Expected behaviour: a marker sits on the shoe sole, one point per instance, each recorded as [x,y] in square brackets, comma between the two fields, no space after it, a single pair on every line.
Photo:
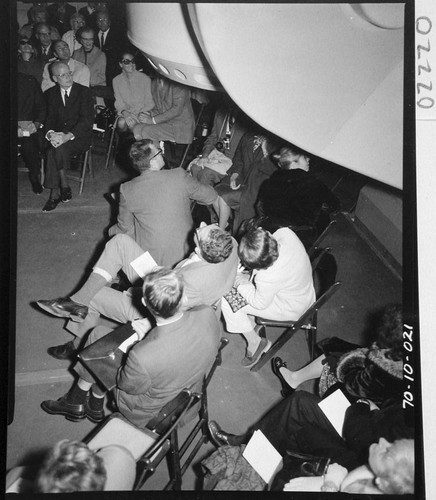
[264,350]
[213,439]
[59,313]
[66,201]
[64,414]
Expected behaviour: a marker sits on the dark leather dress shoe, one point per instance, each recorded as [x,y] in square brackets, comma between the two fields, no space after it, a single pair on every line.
[66,194]
[37,188]
[71,411]
[64,307]
[51,204]
[95,416]
[64,351]
[220,437]
[276,364]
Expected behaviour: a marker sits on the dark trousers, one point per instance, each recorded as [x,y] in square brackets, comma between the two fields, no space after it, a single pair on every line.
[60,158]
[298,424]
[30,154]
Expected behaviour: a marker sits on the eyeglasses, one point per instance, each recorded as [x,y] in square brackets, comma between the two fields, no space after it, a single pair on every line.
[157,154]
[25,42]
[64,75]
[126,62]
[41,33]
[87,39]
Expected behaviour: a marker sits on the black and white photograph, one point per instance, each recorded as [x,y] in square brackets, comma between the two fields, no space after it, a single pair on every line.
[219,261]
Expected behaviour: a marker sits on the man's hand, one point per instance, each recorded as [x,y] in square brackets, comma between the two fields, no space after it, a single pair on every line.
[145,117]
[241,278]
[32,128]
[233,179]
[334,477]
[59,138]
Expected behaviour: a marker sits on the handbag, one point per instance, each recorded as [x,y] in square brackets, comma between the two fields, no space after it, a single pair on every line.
[103,358]
[235,299]
[216,161]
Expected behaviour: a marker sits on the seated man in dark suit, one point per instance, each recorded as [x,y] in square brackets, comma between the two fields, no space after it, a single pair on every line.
[175,354]
[44,43]
[31,115]
[70,115]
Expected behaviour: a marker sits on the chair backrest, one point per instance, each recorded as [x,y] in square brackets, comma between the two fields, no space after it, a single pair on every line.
[172,411]
[317,242]
[316,306]
[324,269]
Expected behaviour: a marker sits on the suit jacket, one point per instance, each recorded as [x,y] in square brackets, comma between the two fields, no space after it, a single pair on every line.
[173,105]
[171,357]
[30,99]
[44,57]
[155,210]
[206,283]
[76,117]
[113,44]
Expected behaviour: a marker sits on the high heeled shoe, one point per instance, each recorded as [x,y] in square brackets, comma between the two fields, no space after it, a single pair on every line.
[276,364]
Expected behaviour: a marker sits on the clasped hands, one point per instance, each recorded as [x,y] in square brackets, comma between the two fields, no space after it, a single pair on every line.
[145,117]
[58,138]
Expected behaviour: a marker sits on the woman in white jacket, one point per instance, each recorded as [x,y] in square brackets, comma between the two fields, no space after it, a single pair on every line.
[278,286]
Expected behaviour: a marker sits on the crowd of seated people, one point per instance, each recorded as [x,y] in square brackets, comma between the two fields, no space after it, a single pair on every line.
[187,283]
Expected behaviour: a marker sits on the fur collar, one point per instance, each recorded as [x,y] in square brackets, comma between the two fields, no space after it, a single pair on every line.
[378,357]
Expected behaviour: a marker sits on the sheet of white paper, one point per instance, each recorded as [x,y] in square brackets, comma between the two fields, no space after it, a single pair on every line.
[128,342]
[262,456]
[334,407]
[143,264]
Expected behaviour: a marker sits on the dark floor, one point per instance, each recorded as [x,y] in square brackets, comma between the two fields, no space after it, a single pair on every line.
[56,250]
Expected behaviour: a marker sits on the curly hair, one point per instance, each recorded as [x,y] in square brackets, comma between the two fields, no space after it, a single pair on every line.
[389,331]
[163,291]
[216,246]
[71,466]
[399,476]
[258,249]
[141,152]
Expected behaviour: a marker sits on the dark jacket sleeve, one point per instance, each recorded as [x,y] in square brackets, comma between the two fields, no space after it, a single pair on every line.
[363,427]
[83,125]
[238,160]
[39,105]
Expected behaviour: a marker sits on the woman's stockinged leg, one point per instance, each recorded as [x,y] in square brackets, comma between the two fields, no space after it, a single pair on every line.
[253,341]
[311,371]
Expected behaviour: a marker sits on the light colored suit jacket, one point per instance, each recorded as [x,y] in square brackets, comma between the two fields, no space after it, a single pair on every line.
[155,210]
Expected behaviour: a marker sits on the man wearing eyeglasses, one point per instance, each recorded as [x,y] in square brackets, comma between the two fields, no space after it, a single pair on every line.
[68,130]
[80,72]
[44,48]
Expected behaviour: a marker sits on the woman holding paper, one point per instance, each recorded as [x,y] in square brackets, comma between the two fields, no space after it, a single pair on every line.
[279,285]
[375,373]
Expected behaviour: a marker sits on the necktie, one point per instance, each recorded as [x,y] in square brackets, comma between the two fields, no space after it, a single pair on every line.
[102,41]
[66,97]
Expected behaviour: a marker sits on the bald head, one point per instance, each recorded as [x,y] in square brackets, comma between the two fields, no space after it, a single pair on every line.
[62,74]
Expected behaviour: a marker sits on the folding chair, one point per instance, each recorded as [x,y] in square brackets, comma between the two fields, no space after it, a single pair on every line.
[317,242]
[160,437]
[324,269]
[149,445]
[86,160]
